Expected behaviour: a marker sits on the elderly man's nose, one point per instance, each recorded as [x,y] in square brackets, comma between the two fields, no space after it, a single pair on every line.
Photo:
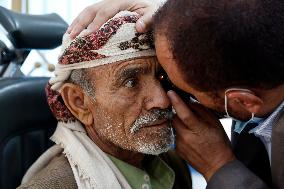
[157,98]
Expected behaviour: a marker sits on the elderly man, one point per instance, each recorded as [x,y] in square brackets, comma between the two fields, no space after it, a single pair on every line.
[112,110]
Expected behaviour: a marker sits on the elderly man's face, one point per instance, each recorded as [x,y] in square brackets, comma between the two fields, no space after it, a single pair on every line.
[130,107]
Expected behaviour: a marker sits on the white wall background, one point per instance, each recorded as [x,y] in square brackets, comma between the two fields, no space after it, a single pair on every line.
[67,9]
[5,3]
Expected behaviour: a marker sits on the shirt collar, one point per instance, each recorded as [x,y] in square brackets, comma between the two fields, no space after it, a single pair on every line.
[240,125]
[160,175]
[265,128]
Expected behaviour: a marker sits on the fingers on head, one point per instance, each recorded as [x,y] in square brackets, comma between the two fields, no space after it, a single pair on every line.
[82,20]
[144,23]
[76,30]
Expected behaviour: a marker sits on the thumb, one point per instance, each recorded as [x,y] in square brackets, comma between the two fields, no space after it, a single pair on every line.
[144,23]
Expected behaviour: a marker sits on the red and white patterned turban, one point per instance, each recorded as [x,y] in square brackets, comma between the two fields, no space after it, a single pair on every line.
[117,40]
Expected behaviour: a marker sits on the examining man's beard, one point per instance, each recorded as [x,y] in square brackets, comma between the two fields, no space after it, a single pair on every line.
[121,115]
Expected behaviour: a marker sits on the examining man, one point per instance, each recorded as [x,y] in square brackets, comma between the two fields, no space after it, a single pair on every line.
[229,55]
[114,117]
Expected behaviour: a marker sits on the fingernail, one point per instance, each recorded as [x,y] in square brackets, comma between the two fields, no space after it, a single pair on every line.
[68,30]
[84,32]
[140,26]
[87,32]
[172,96]
[72,35]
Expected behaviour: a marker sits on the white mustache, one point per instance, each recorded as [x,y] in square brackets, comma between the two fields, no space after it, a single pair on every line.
[150,119]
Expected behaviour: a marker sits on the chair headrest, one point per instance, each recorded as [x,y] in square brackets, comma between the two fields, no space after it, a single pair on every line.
[23,103]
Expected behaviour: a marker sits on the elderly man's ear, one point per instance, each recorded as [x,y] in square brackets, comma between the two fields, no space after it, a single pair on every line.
[77,102]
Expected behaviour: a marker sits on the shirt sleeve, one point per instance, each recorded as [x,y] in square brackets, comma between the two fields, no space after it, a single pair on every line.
[234,175]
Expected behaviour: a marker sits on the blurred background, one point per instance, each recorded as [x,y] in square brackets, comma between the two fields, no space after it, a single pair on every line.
[41,62]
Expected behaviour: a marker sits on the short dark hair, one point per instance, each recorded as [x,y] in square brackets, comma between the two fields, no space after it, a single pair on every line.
[219,44]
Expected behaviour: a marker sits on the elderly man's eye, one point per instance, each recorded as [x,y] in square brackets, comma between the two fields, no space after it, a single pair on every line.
[130,83]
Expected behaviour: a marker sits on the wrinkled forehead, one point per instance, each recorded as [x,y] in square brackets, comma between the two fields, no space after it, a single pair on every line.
[122,68]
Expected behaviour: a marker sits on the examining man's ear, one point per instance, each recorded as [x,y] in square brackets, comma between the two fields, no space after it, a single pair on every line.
[243,99]
[77,102]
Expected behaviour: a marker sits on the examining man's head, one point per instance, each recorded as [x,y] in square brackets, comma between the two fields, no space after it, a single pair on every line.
[118,99]
[217,45]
